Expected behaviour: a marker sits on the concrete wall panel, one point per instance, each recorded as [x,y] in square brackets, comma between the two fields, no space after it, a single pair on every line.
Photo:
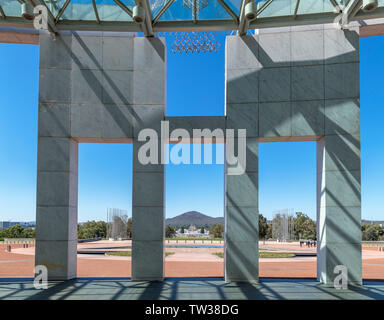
[89,84]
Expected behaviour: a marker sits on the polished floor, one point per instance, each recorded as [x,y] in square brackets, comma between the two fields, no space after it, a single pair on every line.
[185,289]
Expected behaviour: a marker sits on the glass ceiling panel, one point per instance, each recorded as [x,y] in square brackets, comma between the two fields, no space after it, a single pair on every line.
[315,6]
[11,8]
[214,10]
[156,6]
[234,5]
[54,6]
[110,11]
[328,6]
[278,8]
[177,12]
[79,10]
[107,10]
[205,9]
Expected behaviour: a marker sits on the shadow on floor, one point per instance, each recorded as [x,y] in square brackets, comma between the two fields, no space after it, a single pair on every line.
[184,289]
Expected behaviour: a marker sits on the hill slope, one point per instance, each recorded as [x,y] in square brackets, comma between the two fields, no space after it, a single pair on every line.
[193,218]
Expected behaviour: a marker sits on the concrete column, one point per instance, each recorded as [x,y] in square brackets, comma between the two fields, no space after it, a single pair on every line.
[241,191]
[148,216]
[242,220]
[57,164]
[56,232]
[338,156]
[148,196]
[339,208]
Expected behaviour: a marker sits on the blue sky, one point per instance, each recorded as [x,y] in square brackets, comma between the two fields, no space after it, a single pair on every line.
[195,87]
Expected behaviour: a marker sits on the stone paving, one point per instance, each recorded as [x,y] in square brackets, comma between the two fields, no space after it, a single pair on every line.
[186,289]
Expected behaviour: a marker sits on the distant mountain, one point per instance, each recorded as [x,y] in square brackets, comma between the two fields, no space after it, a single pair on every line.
[194,218]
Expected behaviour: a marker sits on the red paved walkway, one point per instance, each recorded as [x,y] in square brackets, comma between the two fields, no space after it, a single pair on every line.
[21,265]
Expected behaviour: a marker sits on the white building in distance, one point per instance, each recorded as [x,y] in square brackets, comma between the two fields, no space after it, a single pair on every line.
[192,232]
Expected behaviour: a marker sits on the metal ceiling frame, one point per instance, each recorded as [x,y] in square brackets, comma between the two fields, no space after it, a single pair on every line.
[162,10]
[152,25]
[62,9]
[351,9]
[95,10]
[296,9]
[229,11]
[2,14]
[244,23]
[147,25]
[123,7]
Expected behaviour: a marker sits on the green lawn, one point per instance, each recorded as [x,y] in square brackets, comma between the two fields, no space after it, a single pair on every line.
[264,254]
[269,254]
[128,253]
[119,253]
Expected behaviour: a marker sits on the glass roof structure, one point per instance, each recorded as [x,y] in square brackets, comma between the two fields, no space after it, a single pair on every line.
[184,15]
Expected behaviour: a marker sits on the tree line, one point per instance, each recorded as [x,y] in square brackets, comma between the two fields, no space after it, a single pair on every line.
[17,231]
[98,229]
[304,228]
[372,232]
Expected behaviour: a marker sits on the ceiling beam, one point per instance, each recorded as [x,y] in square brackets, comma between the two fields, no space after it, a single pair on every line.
[200,25]
[21,36]
[176,26]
